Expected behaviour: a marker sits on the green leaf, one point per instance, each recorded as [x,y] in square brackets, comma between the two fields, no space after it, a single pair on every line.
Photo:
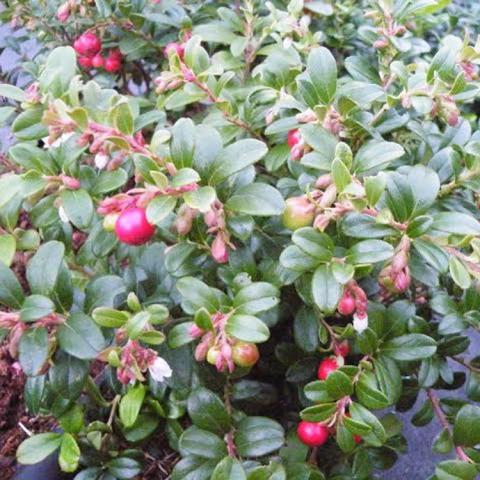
[201,199]
[8,245]
[36,448]
[455,470]
[305,330]
[443,443]
[339,384]
[108,181]
[322,69]
[44,268]
[136,324]
[400,197]
[374,188]
[236,157]
[247,328]
[130,405]
[258,199]
[124,468]
[457,223]
[60,68]
[316,244]
[35,307]
[368,392]
[258,436]
[81,337]
[364,226]
[255,298]
[109,318]
[369,251]
[195,441]
[341,175]
[198,294]
[326,290]
[33,350]
[459,273]
[68,375]
[294,258]
[413,346]
[78,206]
[182,145]
[318,413]
[194,468]
[159,209]
[122,118]
[10,91]
[11,293]
[375,156]
[466,429]
[208,412]
[69,457]
[229,468]
[377,436]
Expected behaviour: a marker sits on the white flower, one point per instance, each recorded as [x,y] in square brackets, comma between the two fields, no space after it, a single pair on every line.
[101,160]
[160,369]
[360,323]
[56,143]
[63,215]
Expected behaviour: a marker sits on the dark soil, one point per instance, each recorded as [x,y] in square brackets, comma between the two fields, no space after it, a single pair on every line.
[12,413]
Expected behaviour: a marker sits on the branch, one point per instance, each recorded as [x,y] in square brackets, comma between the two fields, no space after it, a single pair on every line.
[461,455]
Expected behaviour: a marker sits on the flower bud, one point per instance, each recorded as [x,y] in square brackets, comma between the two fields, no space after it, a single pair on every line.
[70,182]
[220,249]
[63,12]
[109,222]
[360,322]
[299,212]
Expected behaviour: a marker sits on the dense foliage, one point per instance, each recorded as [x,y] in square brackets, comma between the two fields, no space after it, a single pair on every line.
[221,218]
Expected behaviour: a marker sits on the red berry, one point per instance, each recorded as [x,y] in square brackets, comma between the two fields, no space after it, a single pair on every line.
[326,367]
[293,137]
[116,53]
[357,438]
[312,434]
[112,64]
[98,61]
[346,305]
[342,348]
[87,44]
[85,62]
[174,47]
[132,227]
[245,354]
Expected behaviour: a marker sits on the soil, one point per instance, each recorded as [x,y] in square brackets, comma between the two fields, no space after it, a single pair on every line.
[13,413]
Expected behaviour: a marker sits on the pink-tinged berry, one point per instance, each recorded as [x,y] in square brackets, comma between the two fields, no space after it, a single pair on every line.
[346,305]
[312,434]
[245,354]
[341,349]
[326,367]
[133,228]
[98,61]
[112,64]
[85,62]
[293,137]
[299,212]
[87,44]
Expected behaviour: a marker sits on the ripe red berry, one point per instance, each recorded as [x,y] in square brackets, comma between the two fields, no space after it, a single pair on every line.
[112,64]
[326,367]
[357,438]
[293,137]
[245,354]
[346,305]
[342,348]
[174,47]
[132,227]
[85,62]
[116,53]
[98,61]
[87,44]
[312,434]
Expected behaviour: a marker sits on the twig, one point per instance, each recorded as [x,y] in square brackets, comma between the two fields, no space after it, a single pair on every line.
[461,455]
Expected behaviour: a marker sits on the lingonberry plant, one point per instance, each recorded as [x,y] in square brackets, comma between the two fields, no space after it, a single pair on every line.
[271,240]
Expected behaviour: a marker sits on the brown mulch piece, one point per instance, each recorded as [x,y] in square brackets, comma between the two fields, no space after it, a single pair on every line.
[12,412]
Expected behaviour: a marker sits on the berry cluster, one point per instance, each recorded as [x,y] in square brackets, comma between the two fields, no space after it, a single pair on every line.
[88,47]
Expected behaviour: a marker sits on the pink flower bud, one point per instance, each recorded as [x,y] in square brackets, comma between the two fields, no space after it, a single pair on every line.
[210,219]
[402,281]
[220,249]
[70,182]
[188,74]
[379,44]
[63,12]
